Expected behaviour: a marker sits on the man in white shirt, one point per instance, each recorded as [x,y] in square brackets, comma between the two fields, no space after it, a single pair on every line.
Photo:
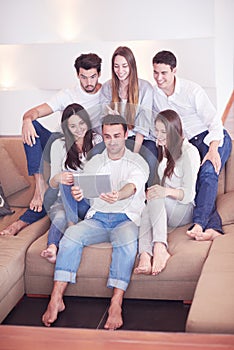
[203,128]
[113,217]
[37,139]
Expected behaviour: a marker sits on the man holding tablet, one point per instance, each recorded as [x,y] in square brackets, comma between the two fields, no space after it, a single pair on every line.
[113,217]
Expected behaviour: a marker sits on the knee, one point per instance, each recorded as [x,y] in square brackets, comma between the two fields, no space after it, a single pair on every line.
[74,234]
[207,170]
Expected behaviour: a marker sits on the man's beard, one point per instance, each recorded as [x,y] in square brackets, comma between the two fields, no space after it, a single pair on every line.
[89,88]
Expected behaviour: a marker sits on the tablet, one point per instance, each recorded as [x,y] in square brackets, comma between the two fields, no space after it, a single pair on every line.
[93,185]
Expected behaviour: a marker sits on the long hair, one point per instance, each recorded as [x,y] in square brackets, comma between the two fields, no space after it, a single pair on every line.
[73,160]
[133,89]
[174,140]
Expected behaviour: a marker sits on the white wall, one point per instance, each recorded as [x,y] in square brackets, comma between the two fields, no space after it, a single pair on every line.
[40,39]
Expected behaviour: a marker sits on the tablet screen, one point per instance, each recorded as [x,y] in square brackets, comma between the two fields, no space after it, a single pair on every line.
[93,185]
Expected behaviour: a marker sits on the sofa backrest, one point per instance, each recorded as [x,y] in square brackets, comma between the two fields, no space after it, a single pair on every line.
[17,185]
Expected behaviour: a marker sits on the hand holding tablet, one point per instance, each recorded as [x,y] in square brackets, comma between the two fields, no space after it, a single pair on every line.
[93,185]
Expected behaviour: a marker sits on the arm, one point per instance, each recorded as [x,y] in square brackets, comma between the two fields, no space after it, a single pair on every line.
[209,116]
[125,192]
[138,142]
[28,132]
[213,156]
[187,168]
[144,119]
[158,191]
[57,175]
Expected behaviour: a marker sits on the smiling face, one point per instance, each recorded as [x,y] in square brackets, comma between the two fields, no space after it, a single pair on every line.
[121,68]
[161,133]
[164,77]
[77,127]
[114,138]
[89,80]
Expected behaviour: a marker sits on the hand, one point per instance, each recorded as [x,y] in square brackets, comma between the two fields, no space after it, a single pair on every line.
[110,197]
[77,193]
[156,191]
[29,134]
[66,178]
[112,111]
[213,156]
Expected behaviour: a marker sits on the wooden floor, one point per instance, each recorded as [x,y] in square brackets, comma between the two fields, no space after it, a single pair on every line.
[37,338]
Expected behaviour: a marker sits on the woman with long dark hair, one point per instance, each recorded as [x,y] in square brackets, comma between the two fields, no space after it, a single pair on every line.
[170,202]
[68,155]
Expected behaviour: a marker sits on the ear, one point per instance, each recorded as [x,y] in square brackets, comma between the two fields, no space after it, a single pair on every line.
[174,70]
[126,135]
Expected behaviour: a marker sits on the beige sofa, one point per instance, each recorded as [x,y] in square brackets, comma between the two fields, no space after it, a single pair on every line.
[202,272]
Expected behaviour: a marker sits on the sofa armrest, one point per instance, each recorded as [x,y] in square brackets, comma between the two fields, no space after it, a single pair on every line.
[212,309]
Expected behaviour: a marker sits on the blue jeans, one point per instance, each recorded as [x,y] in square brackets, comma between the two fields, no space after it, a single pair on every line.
[115,228]
[30,216]
[41,150]
[73,209]
[205,213]
[148,151]
[59,222]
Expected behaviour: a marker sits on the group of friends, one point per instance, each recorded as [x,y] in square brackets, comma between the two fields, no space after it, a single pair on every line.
[164,148]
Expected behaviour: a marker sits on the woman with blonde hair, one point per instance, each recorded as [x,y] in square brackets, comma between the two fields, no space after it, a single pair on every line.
[131,97]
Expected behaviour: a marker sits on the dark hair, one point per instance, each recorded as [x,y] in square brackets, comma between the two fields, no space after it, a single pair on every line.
[165,57]
[174,140]
[88,61]
[133,89]
[73,160]
[115,119]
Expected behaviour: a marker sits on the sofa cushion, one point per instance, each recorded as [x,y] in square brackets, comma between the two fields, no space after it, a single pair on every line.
[178,281]
[4,206]
[212,310]
[225,208]
[10,176]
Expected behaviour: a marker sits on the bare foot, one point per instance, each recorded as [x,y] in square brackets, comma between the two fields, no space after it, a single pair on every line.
[114,320]
[160,258]
[144,266]
[194,230]
[14,228]
[41,187]
[50,253]
[208,235]
[54,307]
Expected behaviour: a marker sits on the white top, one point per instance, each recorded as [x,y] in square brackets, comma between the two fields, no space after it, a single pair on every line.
[90,102]
[185,172]
[131,168]
[143,118]
[195,109]
[58,155]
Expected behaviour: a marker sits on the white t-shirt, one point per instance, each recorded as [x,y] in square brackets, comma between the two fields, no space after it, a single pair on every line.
[90,102]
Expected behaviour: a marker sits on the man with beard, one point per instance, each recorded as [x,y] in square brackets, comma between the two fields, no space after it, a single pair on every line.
[37,139]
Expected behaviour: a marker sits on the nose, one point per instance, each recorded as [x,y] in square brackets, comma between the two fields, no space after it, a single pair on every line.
[89,81]
[159,77]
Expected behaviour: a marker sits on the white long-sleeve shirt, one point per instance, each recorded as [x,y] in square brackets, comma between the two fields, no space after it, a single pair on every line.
[143,118]
[185,172]
[131,168]
[195,109]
